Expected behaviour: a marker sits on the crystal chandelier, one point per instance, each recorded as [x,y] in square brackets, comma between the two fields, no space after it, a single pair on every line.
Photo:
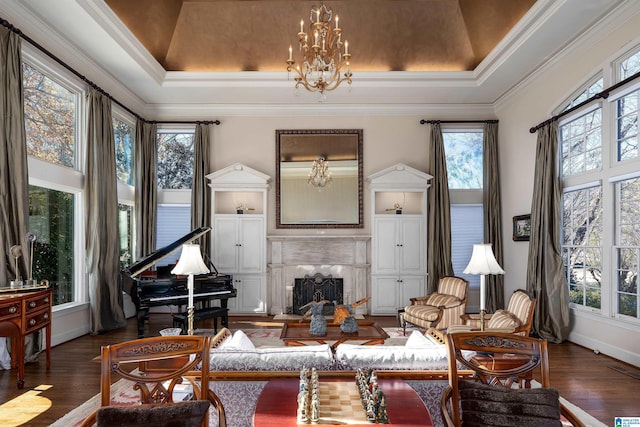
[319,176]
[324,55]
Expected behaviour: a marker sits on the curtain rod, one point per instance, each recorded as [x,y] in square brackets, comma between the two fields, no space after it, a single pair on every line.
[187,122]
[600,95]
[423,121]
[38,46]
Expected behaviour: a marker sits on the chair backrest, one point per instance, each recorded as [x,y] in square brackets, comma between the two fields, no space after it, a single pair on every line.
[522,305]
[159,365]
[504,361]
[453,285]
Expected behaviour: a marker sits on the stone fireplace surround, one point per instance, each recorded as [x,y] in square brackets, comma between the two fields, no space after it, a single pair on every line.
[295,256]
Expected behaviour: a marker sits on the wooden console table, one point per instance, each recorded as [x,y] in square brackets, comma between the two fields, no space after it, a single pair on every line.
[22,313]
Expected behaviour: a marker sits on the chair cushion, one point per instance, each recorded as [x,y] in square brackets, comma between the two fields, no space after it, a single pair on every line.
[445,300]
[502,319]
[424,312]
[181,414]
[485,405]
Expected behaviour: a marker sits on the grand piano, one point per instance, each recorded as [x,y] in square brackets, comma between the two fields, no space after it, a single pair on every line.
[157,288]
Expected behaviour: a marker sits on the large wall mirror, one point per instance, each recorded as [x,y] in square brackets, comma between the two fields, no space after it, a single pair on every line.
[319,178]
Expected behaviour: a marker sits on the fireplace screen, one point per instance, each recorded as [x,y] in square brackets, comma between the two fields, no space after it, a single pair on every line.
[317,288]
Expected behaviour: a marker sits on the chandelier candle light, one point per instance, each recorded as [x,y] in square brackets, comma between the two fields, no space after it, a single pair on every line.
[483,262]
[190,263]
[324,55]
[319,176]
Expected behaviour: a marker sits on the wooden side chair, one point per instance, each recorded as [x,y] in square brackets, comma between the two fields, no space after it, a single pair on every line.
[502,363]
[439,309]
[156,365]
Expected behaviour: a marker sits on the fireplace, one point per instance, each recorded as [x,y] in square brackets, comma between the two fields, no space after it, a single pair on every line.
[317,288]
[297,256]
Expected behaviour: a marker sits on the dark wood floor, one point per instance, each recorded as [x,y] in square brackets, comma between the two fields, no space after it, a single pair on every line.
[582,377]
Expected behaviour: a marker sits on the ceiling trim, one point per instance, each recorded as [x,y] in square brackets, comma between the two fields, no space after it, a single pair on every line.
[420,111]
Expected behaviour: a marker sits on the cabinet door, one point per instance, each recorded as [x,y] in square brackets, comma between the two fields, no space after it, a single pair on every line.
[412,244]
[384,295]
[252,242]
[251,298]
[411,287]
[385,246]
[225,241]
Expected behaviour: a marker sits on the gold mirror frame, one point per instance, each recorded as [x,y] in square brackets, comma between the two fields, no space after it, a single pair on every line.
[305,145]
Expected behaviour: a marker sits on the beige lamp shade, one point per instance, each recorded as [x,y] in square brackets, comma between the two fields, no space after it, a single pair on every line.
[191,261]
[483,261]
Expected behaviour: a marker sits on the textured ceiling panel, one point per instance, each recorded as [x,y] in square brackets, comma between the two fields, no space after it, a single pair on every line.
[383,35]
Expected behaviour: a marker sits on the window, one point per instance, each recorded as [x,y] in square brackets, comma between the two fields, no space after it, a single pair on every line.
[175,160]
[581,143]
[174,221]
[124,137]
[628,248]
[463,151]
[627,112]
[582,245]
[53,105]
[126,235]
[50,118]
[51,219]
[600,168]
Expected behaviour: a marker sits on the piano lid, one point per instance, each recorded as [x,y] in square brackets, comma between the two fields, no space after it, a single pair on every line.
[155,257]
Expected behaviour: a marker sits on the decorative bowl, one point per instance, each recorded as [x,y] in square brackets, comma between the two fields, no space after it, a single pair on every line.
[170,332]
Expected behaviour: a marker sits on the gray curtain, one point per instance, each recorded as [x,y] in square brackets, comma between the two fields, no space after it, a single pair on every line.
[492,208]
[146,184]
[200,194]
[14,175]
[438,213]
[545,278]
[101,206]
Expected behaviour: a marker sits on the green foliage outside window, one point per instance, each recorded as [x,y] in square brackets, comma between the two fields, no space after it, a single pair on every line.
[51,220]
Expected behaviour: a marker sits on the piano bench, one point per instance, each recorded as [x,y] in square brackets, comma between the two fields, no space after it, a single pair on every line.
[180,320]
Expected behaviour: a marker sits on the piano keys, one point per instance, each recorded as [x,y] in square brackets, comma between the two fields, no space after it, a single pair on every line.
[162,288]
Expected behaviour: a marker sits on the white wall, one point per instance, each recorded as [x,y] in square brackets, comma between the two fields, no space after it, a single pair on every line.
[533,102]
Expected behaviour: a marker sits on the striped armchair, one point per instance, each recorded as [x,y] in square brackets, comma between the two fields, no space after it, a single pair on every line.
[517,318]
[439,309]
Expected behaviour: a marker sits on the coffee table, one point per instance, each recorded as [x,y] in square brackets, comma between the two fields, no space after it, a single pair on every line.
[297,334]
[277,404]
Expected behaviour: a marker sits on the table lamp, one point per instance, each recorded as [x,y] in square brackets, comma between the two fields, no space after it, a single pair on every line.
[190,263]
[483,262]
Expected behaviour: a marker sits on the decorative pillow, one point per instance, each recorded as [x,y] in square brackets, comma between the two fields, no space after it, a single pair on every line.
[485,405]
[438,300]
[181,414]
[239,340]
[389,357]
[418,340]
[502,319]
[272,359]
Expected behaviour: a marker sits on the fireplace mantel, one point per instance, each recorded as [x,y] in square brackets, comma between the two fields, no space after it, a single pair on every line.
[294,256]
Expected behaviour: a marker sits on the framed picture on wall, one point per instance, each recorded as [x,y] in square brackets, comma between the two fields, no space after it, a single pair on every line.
[521,228]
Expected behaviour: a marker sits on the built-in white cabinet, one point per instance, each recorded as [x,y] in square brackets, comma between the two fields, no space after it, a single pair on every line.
[399,237]
[239,234]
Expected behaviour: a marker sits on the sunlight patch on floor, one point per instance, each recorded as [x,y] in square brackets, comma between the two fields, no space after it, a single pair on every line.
[25,407]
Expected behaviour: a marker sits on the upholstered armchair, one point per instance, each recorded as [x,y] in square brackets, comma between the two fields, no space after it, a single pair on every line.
[516,318]
[441,308]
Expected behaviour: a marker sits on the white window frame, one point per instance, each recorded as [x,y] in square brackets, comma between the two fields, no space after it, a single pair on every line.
[612,171]
[61,178]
